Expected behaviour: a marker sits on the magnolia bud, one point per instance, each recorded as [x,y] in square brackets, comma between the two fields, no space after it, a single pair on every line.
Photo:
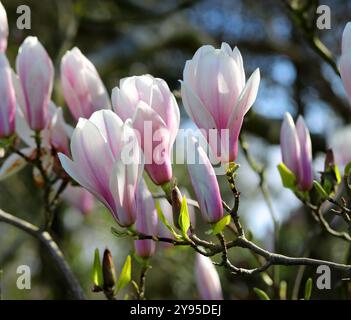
[329,159]
[296,148]
[108,271]
[36,75]
[4,29]
[176,197]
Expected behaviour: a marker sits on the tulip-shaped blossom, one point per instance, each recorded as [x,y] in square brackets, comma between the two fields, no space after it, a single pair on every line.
[205,184]
[4,29]
[146,222]
[216,97]
[207,279]
[7,99]
[36,74]
[154,110]
[82,86]
[345,59]
[296,148]
[79,198]
[106,161]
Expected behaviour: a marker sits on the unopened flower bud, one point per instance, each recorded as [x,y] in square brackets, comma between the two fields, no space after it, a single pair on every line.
[108,271]
[176,197]
[296,148]
[329,159]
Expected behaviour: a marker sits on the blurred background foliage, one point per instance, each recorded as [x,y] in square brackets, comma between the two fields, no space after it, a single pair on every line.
[130,37]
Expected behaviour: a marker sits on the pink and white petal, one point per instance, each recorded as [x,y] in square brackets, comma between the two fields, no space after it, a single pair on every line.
[91,151]
[189,73]
[122,185]
[290,145]
[195,108]
[110,126]
[305,169]
[246,99]
[97,91]
[345,67]
[229,87]
[74,171]
[146,115]
[166,107]
[155,142]
[206,80]
[18,90]
[144,85]
[207,279]
[23,130]
[239,61]
[346,40]
[204,182]
[71,98]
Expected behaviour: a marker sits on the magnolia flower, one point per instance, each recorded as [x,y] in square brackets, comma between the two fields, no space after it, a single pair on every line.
[154,110]
[36,74]
[4,29]
[79,198]
[106,161]
[296,148]
[345,59]
[146,221]
[216,96]
[204,182]
[82,87]
[8,98]
[207,279]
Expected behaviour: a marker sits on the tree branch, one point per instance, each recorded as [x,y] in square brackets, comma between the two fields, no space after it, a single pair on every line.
[56,254]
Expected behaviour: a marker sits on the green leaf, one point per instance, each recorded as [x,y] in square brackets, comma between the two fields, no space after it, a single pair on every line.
[320,189]
[232,168]
[261,294]
[220,225]
[119,233]
[348,169]
[125,275]
[97,270]
[308,289]
[184,220]
[164,220]
[287,176]
[337,174]
[283,287]
[267,279]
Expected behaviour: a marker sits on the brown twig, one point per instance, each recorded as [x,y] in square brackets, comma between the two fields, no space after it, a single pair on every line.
[56,254]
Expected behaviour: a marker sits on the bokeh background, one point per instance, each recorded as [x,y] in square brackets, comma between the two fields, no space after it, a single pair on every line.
[126,37]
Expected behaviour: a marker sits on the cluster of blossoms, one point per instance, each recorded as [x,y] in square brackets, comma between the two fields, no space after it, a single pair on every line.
[109,148]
